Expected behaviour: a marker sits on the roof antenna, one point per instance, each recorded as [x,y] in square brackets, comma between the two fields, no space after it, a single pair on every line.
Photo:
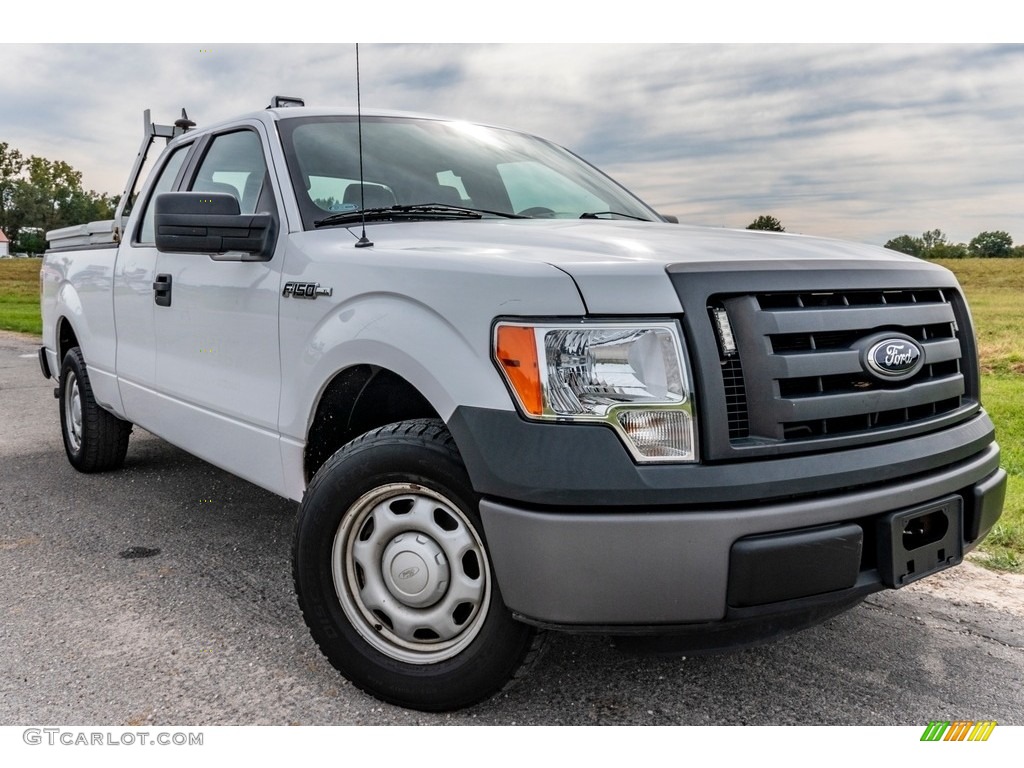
[363,241]
[183,124]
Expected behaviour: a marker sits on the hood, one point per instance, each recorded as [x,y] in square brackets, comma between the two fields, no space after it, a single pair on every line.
[614,262]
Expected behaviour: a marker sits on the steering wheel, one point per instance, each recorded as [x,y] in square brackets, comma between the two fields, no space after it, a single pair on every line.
[537,212]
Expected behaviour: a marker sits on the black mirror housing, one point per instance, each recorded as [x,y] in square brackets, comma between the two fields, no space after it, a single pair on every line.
[210,223]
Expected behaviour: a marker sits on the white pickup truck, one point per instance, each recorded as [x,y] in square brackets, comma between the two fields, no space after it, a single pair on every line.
[511,397]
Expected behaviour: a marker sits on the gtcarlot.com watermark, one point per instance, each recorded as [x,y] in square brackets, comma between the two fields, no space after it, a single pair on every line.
[73,737]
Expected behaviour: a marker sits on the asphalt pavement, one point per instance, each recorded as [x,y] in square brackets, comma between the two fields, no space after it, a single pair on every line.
[162,594]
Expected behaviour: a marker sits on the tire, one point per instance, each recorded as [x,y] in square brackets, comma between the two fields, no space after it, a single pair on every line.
[95,440]
[393,576]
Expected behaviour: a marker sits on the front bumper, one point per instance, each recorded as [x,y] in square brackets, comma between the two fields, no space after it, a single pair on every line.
[646,549]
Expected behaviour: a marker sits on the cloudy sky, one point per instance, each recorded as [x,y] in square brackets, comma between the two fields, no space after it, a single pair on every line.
[862,142]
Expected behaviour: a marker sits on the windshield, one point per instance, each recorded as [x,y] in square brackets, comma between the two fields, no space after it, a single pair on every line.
[414,162]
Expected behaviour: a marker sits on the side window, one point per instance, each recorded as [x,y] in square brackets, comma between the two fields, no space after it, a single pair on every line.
[163,183]
[234,165]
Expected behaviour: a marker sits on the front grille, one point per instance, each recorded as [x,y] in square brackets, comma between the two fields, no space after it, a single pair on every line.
[735,398]
[799,372]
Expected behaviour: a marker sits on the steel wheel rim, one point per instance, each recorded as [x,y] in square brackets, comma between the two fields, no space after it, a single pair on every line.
[73,411]
[411,573]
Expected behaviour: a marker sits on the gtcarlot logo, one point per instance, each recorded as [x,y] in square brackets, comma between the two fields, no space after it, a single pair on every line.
[70,737]
[958,730]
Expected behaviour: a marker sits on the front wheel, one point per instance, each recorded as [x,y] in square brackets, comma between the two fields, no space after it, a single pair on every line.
[393,574]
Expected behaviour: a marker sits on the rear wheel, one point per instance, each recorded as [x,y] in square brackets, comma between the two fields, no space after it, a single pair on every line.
[94,439]
[393,574]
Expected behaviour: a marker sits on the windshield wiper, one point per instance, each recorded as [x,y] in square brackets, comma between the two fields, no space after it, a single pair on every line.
[599,214]
[417,211]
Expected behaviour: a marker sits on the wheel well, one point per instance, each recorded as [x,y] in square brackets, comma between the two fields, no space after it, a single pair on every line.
[66,340]
[357,400]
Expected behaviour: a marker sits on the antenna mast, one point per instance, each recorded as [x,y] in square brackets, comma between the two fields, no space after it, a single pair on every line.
[363,241]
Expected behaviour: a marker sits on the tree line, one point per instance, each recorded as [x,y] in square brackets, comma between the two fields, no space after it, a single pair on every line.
[37,195]
[933,244]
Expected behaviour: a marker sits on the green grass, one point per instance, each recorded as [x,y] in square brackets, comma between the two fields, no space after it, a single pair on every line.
[994,288]
[1003,396]
[19,295]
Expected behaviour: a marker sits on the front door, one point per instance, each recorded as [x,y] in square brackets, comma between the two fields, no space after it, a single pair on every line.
[217,358]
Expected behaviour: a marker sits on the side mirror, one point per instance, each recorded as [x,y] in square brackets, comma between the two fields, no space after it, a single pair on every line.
[670,218]
[210,223]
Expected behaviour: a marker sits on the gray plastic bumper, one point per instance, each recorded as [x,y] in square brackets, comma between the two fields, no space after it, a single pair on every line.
[619,570]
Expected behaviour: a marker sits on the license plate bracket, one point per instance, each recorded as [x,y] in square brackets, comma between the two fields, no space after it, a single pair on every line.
[916,542]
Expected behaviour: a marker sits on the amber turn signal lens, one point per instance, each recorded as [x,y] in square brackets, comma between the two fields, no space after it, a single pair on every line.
[516,350]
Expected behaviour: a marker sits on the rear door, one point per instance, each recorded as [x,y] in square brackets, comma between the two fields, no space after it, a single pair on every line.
[134,308]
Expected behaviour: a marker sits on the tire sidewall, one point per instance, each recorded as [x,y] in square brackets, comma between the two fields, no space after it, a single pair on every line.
[73,363]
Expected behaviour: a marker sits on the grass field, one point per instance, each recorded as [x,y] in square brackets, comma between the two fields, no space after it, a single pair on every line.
[994,287]
[995,290]
[19,295]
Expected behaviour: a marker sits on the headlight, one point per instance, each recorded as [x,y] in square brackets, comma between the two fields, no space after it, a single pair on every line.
[631,377]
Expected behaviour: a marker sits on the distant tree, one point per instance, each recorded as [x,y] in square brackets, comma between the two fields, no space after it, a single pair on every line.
[48,195]
[767,223]
[31,240]
[1017,252]
[948,251]
[11,166]
[912,246]
[992,245]
[932,239]
[935,245]
[83,207]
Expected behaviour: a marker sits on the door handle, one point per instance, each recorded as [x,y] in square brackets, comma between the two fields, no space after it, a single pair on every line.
[162,290]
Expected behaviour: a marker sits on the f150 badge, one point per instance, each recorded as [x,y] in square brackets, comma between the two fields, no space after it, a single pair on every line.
[305,291]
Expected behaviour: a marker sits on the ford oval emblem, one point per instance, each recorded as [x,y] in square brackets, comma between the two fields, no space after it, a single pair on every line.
[895,359]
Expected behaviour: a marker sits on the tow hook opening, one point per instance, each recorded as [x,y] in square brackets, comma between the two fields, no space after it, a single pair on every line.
[927,529]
